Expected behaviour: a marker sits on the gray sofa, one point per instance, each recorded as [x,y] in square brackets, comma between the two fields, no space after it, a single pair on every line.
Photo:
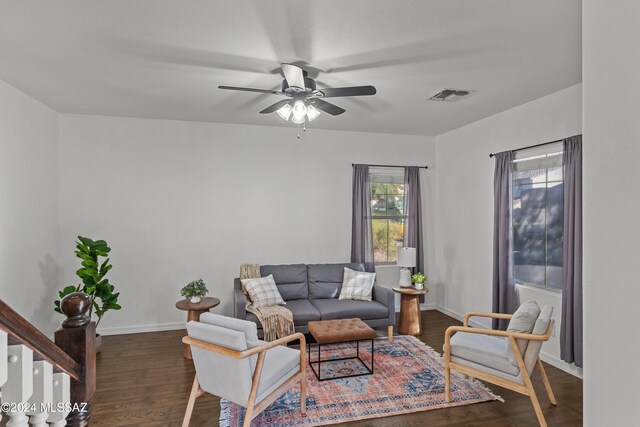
[311,292]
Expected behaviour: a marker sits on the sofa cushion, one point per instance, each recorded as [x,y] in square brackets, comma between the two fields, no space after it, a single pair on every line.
[291,279]
[325,280]
[331,308]
[302,310]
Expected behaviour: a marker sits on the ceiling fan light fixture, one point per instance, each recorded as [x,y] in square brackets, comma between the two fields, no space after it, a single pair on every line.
[299,112]
[285,111]
[297,119]
[304,102]
[312,112]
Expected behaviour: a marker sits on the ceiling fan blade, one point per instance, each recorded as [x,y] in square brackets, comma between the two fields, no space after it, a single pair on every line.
[250,89]
[347,91]
[294,75]
[273,107]
[327,107]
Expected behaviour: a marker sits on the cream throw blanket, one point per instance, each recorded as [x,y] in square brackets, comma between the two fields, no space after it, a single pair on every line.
[276,321]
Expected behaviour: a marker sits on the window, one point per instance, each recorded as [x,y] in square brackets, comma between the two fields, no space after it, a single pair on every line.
[387,212]
[537,214]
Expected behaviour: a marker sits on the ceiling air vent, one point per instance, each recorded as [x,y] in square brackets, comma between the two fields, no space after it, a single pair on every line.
[451,95]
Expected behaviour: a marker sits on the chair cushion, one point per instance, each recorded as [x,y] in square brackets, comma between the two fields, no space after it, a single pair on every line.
[332,308]
[303,312]
[534,347]
[230,378]
[291,279]
[215,371]
[262,291]
[357,285]
[247,328]
[485,350]
[280,363]
[325,280]
[522,320]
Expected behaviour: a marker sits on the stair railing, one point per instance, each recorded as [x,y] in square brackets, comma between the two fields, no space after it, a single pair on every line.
[45,383]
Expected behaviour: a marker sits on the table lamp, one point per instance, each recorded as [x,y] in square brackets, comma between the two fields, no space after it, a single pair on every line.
[406,259]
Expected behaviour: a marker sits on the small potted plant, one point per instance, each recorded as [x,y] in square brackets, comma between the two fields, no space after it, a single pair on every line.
[419,280]
[194,291]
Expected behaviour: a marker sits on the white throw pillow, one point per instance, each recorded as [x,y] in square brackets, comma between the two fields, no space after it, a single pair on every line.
[357,285]
[262,291]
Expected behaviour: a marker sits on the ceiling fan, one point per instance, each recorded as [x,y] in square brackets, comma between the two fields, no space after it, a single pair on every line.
[305,100]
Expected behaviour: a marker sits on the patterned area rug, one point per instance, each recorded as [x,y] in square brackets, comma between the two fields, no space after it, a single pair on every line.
[408,378]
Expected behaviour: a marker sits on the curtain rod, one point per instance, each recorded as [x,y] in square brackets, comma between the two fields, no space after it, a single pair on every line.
[393,166]
[531,146]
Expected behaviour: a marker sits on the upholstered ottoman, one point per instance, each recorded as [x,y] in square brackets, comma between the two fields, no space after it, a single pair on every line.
[326,332]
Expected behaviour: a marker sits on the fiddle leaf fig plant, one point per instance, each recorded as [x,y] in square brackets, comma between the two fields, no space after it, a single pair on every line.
[92,275]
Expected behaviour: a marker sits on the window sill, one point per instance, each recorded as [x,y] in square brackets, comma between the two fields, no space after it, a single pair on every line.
[549,290]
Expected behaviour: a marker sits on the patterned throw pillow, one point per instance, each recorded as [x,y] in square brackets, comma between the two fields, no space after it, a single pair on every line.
[357,285]
[262,291]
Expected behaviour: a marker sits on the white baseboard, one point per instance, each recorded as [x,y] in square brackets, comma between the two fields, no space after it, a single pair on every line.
[561,364]
[551,360]
[120,330]
[460,317]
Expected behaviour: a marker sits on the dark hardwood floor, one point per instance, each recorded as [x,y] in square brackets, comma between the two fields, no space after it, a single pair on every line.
[143,380]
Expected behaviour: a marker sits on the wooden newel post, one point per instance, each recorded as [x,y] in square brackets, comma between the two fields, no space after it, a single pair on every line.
[78,339]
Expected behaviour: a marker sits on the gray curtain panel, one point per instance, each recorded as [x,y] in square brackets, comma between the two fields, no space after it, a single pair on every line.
[504,300]
[361,231]
[413,206]
[571,329]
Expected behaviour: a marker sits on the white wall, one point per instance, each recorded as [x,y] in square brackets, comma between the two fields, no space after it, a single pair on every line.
[611,60]
[464,193]
[29,213]
[178,201]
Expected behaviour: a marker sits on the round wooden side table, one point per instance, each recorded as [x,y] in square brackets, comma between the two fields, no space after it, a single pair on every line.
[194,312]
[410,322]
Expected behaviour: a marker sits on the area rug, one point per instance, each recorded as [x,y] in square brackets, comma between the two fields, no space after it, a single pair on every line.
[409,377]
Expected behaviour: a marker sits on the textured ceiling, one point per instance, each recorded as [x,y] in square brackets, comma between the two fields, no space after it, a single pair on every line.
[165,59]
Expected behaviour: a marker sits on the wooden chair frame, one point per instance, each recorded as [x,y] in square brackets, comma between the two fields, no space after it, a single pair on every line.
[526,388]
[253,408]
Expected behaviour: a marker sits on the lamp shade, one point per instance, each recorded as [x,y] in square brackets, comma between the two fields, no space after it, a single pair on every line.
[406,257]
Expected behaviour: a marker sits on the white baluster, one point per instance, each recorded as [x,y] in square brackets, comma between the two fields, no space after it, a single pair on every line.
[42,396]
[19,385]
[3,364]
[3,359]
[61,395]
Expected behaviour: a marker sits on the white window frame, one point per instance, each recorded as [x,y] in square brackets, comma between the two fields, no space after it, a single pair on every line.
[534,159]
[388,175]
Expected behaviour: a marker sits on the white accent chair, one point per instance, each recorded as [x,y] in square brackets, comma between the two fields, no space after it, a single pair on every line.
[233,364]
[504,358]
